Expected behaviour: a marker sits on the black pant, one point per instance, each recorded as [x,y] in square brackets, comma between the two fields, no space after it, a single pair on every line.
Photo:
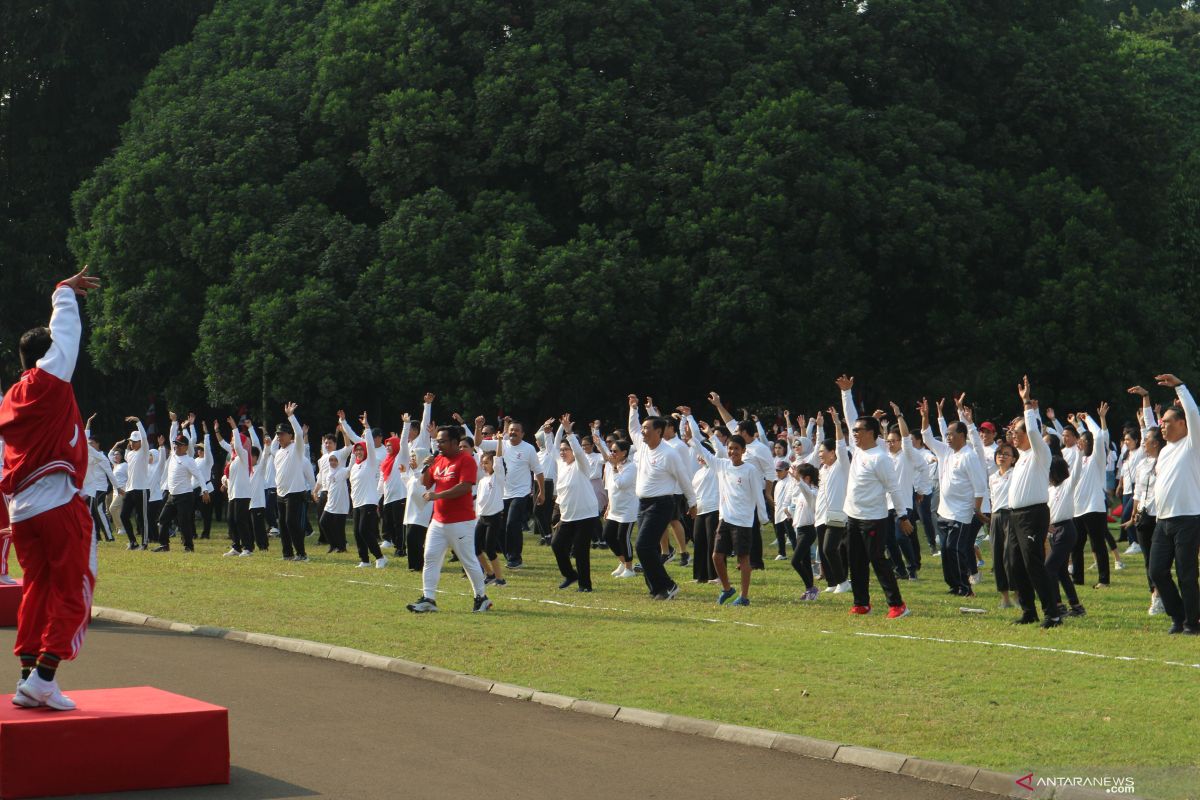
[958,554]
[833,548]
[821,554]
[100,516]
[272,509]
[1090,527]
[999,530]
[1175,542]
[206,512]
[240,524]
[179,508]
[1025,556]
[784,533]
[489,535]
[756,544]
[153,511]
[704,534]
[900,548]
[333,528]
[414,536]
[393,524]
[619,536]
[366,532]
[575,538]
[802,557]
[865,539]
[258,521]
[134,507]
[291,524]
[543,522]
[516,514]
[1063,536]
[322,499]
[654,514]
[1145,539]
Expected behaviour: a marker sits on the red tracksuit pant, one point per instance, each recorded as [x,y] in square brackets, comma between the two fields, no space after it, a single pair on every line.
[58,560]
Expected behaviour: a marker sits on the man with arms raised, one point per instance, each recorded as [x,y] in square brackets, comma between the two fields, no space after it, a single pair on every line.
[45,459]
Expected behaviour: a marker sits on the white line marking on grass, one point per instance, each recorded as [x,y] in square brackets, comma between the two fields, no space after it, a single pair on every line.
[288,575]
[1020,647]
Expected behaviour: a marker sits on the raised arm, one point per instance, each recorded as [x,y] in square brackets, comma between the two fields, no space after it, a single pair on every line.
[726,417]
[423,438]
[635,422]
[348,432]
[846,384]
[939,449]
[66,328]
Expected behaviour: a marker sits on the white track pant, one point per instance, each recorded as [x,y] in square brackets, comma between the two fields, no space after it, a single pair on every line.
[461,537]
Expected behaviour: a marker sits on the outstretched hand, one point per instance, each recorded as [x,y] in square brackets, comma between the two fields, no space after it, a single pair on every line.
[845,382]
[1167,379]
[81,283]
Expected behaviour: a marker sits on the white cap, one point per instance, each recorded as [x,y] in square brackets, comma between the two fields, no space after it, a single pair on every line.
[136,436]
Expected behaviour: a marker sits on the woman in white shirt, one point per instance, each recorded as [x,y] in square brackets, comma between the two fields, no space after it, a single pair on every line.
[489,514]
[364,493]
[1091,517]
[830,517]
[998,525]
[579,513]
[1145,514]
[337,502]
[417,510]
[1063,533]
[620,481]
[804,502]
[704,483]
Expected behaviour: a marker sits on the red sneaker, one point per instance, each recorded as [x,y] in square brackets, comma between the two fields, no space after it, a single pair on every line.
[896,612]
[860,609]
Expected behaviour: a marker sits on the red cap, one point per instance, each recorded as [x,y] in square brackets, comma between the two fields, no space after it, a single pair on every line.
[987,426]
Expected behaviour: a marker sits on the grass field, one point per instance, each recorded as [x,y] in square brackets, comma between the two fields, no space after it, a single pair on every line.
[1107,694]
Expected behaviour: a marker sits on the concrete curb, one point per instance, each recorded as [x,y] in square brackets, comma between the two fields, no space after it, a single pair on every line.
[980,780]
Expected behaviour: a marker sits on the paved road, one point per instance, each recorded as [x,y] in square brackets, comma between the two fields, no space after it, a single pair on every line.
[306,727]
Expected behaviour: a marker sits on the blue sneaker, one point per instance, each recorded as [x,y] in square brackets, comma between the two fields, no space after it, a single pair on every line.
[742,601]
[726,595]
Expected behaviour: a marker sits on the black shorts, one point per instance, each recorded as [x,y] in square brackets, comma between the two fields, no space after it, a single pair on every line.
[733,539]
[681,508]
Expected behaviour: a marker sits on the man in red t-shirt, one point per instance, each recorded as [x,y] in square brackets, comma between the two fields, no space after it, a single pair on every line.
[448,480]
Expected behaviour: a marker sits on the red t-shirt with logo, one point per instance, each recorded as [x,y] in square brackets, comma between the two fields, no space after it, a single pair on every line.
[448,473]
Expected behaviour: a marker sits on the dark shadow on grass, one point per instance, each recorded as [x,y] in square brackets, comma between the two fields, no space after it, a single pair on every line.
[243,784]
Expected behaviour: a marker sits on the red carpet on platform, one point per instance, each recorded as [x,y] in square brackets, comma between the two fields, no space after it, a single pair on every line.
[116,740]
[10,601]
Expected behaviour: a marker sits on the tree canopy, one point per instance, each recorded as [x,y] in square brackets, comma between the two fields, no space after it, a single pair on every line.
[542,206]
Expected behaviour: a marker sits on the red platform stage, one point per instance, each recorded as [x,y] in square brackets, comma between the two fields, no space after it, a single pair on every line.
[10,601]
[116,740]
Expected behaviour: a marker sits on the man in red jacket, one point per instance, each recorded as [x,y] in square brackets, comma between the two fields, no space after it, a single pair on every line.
[45,459]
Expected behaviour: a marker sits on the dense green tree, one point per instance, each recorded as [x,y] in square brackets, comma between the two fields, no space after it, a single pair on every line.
[533,206]
[68,71]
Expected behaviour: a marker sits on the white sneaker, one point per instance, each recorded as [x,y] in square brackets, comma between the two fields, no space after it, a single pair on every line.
[245,553]
[781,557]
[273,532]
[616,573]
[233,551]
[974,579]
[1120,565]
[386,543]
[842,587]
[362,564]
[8,580]
[381,562]
[21,700]
[45,693]
[627,573]
[1133,549]
[1156,607]
[830,589]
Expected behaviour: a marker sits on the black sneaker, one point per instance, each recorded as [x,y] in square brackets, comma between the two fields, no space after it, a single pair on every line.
[453,557]
[584,589]
[1028,618]
[567,582]
[637,568]
[1051,622]
[669,556]
[489,579]
[482,604]
[1077,610]
[162,548]
[1191,630]
[424,606]
[684,559]
[1176,627]
[499,582]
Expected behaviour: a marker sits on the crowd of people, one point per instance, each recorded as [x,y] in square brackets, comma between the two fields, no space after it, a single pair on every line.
[846,491]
